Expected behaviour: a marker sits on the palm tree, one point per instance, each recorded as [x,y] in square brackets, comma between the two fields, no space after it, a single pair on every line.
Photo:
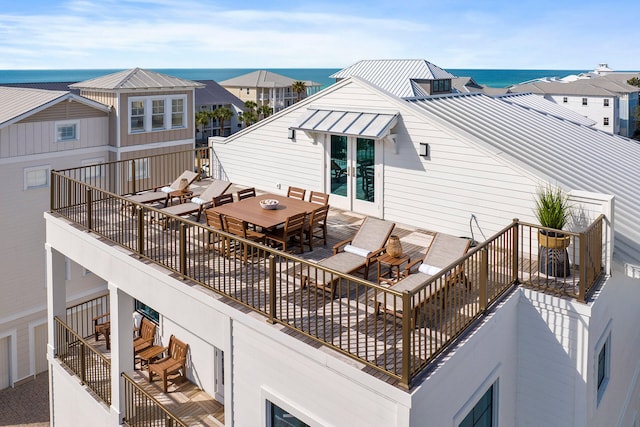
[250,115]
[299,87]
[221,114]
[265,111]
[202,119]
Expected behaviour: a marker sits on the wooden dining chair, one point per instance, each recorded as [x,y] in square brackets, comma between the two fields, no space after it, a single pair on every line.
[214,220]
[296,193]
[317,223]
[239,228]
[319,198]
[246,193]
[293,227]
[223,199]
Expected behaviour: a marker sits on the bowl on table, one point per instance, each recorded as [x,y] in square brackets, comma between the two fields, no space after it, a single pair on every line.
[269,204]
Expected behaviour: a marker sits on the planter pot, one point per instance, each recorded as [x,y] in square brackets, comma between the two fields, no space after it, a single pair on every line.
[553,257]
[394,247]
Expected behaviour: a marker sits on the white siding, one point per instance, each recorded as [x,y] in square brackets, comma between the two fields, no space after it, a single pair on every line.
[40,348]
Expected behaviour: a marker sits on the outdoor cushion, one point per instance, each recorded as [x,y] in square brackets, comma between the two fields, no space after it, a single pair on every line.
[428,269]
[198,200]
[357,251]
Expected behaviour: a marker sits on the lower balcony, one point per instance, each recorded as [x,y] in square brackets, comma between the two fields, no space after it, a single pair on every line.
[88,358]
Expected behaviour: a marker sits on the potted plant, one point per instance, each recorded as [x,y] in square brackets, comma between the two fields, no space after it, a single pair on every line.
[552,211]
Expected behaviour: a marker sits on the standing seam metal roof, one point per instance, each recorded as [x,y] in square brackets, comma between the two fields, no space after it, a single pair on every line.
[543,105]
[136,78]
[577,157]
[16,102]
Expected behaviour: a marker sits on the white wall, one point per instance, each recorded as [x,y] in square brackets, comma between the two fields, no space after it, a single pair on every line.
[594,109]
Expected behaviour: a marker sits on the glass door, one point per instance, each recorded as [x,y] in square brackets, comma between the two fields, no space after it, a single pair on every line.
[352,171]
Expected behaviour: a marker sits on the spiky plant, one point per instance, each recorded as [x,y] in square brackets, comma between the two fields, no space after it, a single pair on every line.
[552,207]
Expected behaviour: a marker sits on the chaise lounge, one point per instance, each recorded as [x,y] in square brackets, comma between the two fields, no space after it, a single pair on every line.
[162,193]
[352,255]
[200,202]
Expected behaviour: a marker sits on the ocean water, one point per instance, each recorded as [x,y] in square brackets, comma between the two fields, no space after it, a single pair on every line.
[488,77]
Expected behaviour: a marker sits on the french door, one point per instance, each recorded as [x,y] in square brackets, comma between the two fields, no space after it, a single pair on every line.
[353,174]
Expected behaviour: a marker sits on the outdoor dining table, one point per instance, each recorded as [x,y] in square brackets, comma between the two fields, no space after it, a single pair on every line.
[249,210]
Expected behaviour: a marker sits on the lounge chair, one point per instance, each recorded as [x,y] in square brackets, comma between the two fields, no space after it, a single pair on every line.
[174,362]
[200,202]
[162,193]
[443,251]
[352,255]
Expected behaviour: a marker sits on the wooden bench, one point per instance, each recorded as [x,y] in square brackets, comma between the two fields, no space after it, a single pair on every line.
[173,362]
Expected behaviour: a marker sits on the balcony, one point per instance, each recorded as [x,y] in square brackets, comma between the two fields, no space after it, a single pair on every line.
[396,346]
[146,404]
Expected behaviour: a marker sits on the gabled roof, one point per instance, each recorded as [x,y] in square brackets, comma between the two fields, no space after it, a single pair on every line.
[213,93]
[263,79]
[543,105]
[395,75]
[17,103]
[136,78]
[576,157]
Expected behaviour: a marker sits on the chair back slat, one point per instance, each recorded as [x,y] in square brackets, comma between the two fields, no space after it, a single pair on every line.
[246,193]
[296,193]
[319,198]
[223,199]
[235,226]
[214,219]
[294,223]
[147,329]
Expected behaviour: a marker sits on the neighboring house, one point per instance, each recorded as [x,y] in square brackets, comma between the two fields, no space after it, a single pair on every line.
[542,105]
[213,96]
[122,115]
[606,98]
[458,164]
[267,88]
[40,131]
[404,78]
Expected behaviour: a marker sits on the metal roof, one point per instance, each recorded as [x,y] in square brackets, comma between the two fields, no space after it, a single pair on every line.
[352,123]
[136,78]
[543,105]
[575,156]
[16,103]
[264,79]
[214,94]
[395,75]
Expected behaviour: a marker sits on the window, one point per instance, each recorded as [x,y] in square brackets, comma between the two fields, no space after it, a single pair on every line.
[177,113]
[440,86]
[278,417]
[481,415]
[247,91]
[36,177]
[605,121]
[603,364]
[137,116]
[565,99]
[147,312]
[605,102]
[584,101]
[67,131]
[157,114]
[142,169]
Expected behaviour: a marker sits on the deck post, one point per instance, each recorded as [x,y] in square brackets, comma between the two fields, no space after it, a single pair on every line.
[582,292]
[183,250]
[272,289]
[140,218]
[89,203]
[407,316]
[83,364]
[514,251]
[133,177]
[484,278]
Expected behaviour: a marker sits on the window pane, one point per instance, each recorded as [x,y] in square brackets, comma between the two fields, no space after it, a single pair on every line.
[602,358]
[482,413]
[66,132]
[157,117]
[177,113]
[37,178]
[281,418]
[137,116]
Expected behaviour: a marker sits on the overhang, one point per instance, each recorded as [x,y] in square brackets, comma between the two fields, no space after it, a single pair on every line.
[372,125]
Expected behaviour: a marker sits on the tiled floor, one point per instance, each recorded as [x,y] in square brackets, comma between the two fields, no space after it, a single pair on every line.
[26,405]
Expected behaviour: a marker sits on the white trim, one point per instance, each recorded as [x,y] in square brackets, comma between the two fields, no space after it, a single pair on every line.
[267,395]
[32,343]
[156,145]
[493,379]
[50,155]
[605,339]
[64,123]
[148,112]
[25,171]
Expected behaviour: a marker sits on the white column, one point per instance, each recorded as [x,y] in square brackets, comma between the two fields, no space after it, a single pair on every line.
[121,346]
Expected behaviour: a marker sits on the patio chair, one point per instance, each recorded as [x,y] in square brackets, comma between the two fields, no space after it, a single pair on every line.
[201,202]
[214,220]
[102,326]
[317,223]
[246,193]
[146,337]
[162,193]
[352,255]
[443,251]
[239,228]
[174,362]
[337,171]
[296,193]
[223,199]
[319,198]
[293,226]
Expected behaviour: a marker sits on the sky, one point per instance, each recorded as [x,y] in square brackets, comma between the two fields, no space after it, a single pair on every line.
[507,34]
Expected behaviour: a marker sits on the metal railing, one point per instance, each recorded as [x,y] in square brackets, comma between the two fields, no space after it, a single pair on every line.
[93,369]
[392,332]
[80,317]
[141,409]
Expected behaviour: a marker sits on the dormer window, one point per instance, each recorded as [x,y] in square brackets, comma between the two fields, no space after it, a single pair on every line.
[441,86]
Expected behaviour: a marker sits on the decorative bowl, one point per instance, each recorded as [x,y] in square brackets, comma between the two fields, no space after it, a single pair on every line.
[269,204]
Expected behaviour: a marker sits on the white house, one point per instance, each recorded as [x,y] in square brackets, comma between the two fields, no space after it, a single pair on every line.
[546,352]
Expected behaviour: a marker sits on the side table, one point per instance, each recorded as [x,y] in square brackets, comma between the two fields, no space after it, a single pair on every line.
[148,354]
[390,268]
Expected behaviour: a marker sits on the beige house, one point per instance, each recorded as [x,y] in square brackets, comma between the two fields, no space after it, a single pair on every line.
[267,88]
[128,114]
